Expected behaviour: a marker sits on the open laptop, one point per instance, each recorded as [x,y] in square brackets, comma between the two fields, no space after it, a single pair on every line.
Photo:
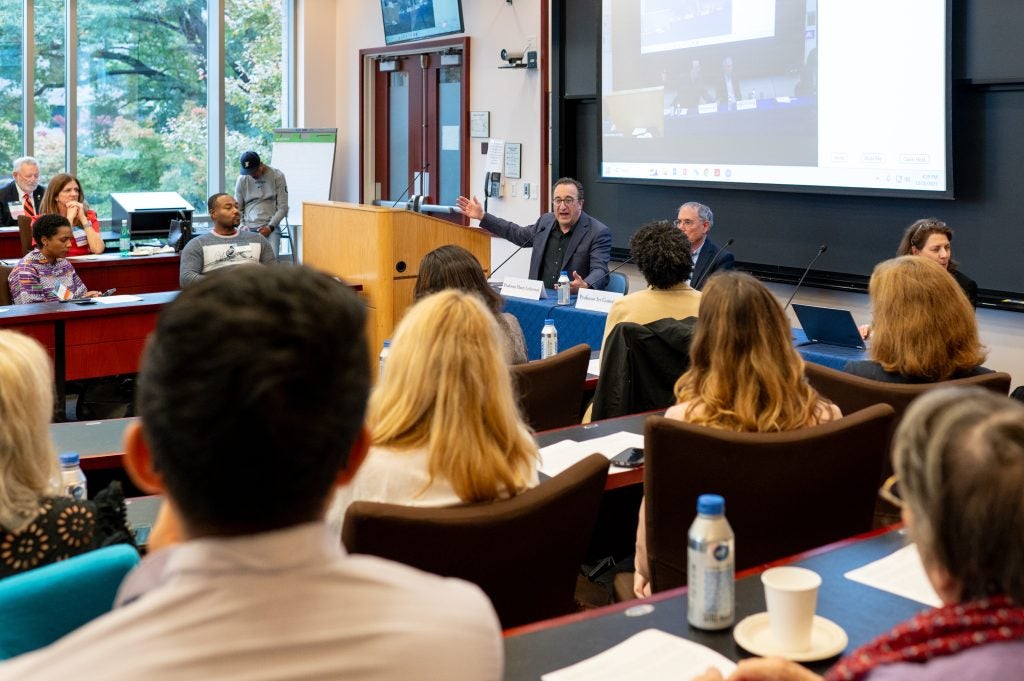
[828,326]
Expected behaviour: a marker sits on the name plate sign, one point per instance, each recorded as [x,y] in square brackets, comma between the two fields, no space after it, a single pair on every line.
[598,301]
[516,287]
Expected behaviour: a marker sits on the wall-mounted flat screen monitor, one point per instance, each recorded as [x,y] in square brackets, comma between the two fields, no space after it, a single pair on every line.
[407,20]
[798,95]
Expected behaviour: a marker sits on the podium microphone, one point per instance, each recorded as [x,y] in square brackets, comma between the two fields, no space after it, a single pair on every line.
[821,249]
[711,265]
[414,178]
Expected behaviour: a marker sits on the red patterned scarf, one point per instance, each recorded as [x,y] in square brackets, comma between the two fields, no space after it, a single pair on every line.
[943,631]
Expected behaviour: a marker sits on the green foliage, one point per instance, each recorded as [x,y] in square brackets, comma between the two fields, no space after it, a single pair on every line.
[142,119]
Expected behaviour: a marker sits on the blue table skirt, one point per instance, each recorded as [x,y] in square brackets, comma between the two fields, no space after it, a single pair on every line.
[586,326]
[574,326]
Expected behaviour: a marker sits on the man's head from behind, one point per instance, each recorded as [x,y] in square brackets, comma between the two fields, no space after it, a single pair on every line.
[252,393]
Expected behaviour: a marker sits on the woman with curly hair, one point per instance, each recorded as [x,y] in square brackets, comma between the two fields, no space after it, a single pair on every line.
[662,253]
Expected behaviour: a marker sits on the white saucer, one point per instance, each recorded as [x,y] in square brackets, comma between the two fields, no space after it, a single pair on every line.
[827,639]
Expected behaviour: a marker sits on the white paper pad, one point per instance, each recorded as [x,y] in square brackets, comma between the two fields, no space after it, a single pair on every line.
[651,655]
[563,454]
[899,573]
[594,367]
[110,300]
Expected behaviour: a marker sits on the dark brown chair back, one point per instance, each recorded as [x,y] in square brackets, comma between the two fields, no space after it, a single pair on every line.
[524,552]
[551,390]
[784,492]
[5,287]
[852,393]
[25,232]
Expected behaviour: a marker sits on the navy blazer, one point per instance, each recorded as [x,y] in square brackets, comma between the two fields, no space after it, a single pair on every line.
[588,252]
[9,194]
[700,268]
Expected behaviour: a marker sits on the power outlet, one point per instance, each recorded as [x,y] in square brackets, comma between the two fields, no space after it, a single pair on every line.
[514,188]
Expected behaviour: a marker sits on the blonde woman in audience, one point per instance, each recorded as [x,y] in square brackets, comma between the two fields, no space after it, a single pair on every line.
[959,455]
[744,375]
[444,425]
[37,524]
[923,328]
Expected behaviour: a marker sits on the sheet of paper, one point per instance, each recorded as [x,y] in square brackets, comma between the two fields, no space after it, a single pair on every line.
[495,162]
[610,445]
[594,367]
[651,655]
[899,573]
[557,457]
[110,300]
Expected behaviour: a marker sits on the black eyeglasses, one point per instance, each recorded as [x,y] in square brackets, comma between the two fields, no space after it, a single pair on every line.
[567,201]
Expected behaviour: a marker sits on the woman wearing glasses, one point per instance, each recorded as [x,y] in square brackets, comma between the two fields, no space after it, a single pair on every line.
[959,455]
[932,239]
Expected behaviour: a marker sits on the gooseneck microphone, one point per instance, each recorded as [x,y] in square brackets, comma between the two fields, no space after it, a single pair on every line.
[414,178]
[821,249]
[611,272]
[495,271]
[711,265]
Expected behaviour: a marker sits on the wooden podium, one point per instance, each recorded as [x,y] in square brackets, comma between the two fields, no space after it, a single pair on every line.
[381,249]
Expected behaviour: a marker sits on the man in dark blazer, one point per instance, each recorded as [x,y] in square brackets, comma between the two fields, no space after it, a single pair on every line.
[26,181]
[565,239]
[695,219]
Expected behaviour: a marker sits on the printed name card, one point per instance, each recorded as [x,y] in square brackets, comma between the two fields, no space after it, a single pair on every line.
[515,287]
[598,301]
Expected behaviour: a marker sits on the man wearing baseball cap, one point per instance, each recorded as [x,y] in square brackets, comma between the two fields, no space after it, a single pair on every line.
[262,196]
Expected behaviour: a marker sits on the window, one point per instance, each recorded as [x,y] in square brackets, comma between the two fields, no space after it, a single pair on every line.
[141,95]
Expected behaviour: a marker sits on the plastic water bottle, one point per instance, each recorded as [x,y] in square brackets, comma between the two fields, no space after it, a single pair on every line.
[72,477]
[711,566]
[548,339]
[125,242]
[384,352]
[562,286]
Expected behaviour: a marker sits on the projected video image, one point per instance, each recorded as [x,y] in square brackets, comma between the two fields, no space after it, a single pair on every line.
[809,93]
[669,24]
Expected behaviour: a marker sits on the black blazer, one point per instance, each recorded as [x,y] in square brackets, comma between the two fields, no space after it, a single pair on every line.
[700,268]
[588,252]
[9,194]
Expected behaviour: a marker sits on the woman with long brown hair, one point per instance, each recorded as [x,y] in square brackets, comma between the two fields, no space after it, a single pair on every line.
[64,196]
[744,375]
[932,238]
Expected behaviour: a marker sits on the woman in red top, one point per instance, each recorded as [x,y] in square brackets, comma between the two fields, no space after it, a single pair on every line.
[64,195]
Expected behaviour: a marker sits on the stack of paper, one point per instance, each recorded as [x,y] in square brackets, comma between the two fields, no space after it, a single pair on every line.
[561,455]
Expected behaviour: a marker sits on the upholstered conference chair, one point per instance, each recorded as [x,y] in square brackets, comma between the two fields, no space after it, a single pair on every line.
[25,232]
[524,552]
[5,288]
[42,605]
[784,492]
[854,392]
[551,390]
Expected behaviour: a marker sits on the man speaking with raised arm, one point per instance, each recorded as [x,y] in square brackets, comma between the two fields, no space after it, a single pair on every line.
[564,239]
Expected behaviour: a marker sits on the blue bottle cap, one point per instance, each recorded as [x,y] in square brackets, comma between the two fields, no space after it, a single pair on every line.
[548,321]
[565,273]
[387,343]
[69,458]
[710,504]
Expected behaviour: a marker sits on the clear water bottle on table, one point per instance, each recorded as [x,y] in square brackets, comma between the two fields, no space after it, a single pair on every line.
[562,288]
[71,476]
[548,339]
[711,566]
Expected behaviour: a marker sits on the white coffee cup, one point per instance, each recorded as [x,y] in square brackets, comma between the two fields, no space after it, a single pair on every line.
[792,596]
